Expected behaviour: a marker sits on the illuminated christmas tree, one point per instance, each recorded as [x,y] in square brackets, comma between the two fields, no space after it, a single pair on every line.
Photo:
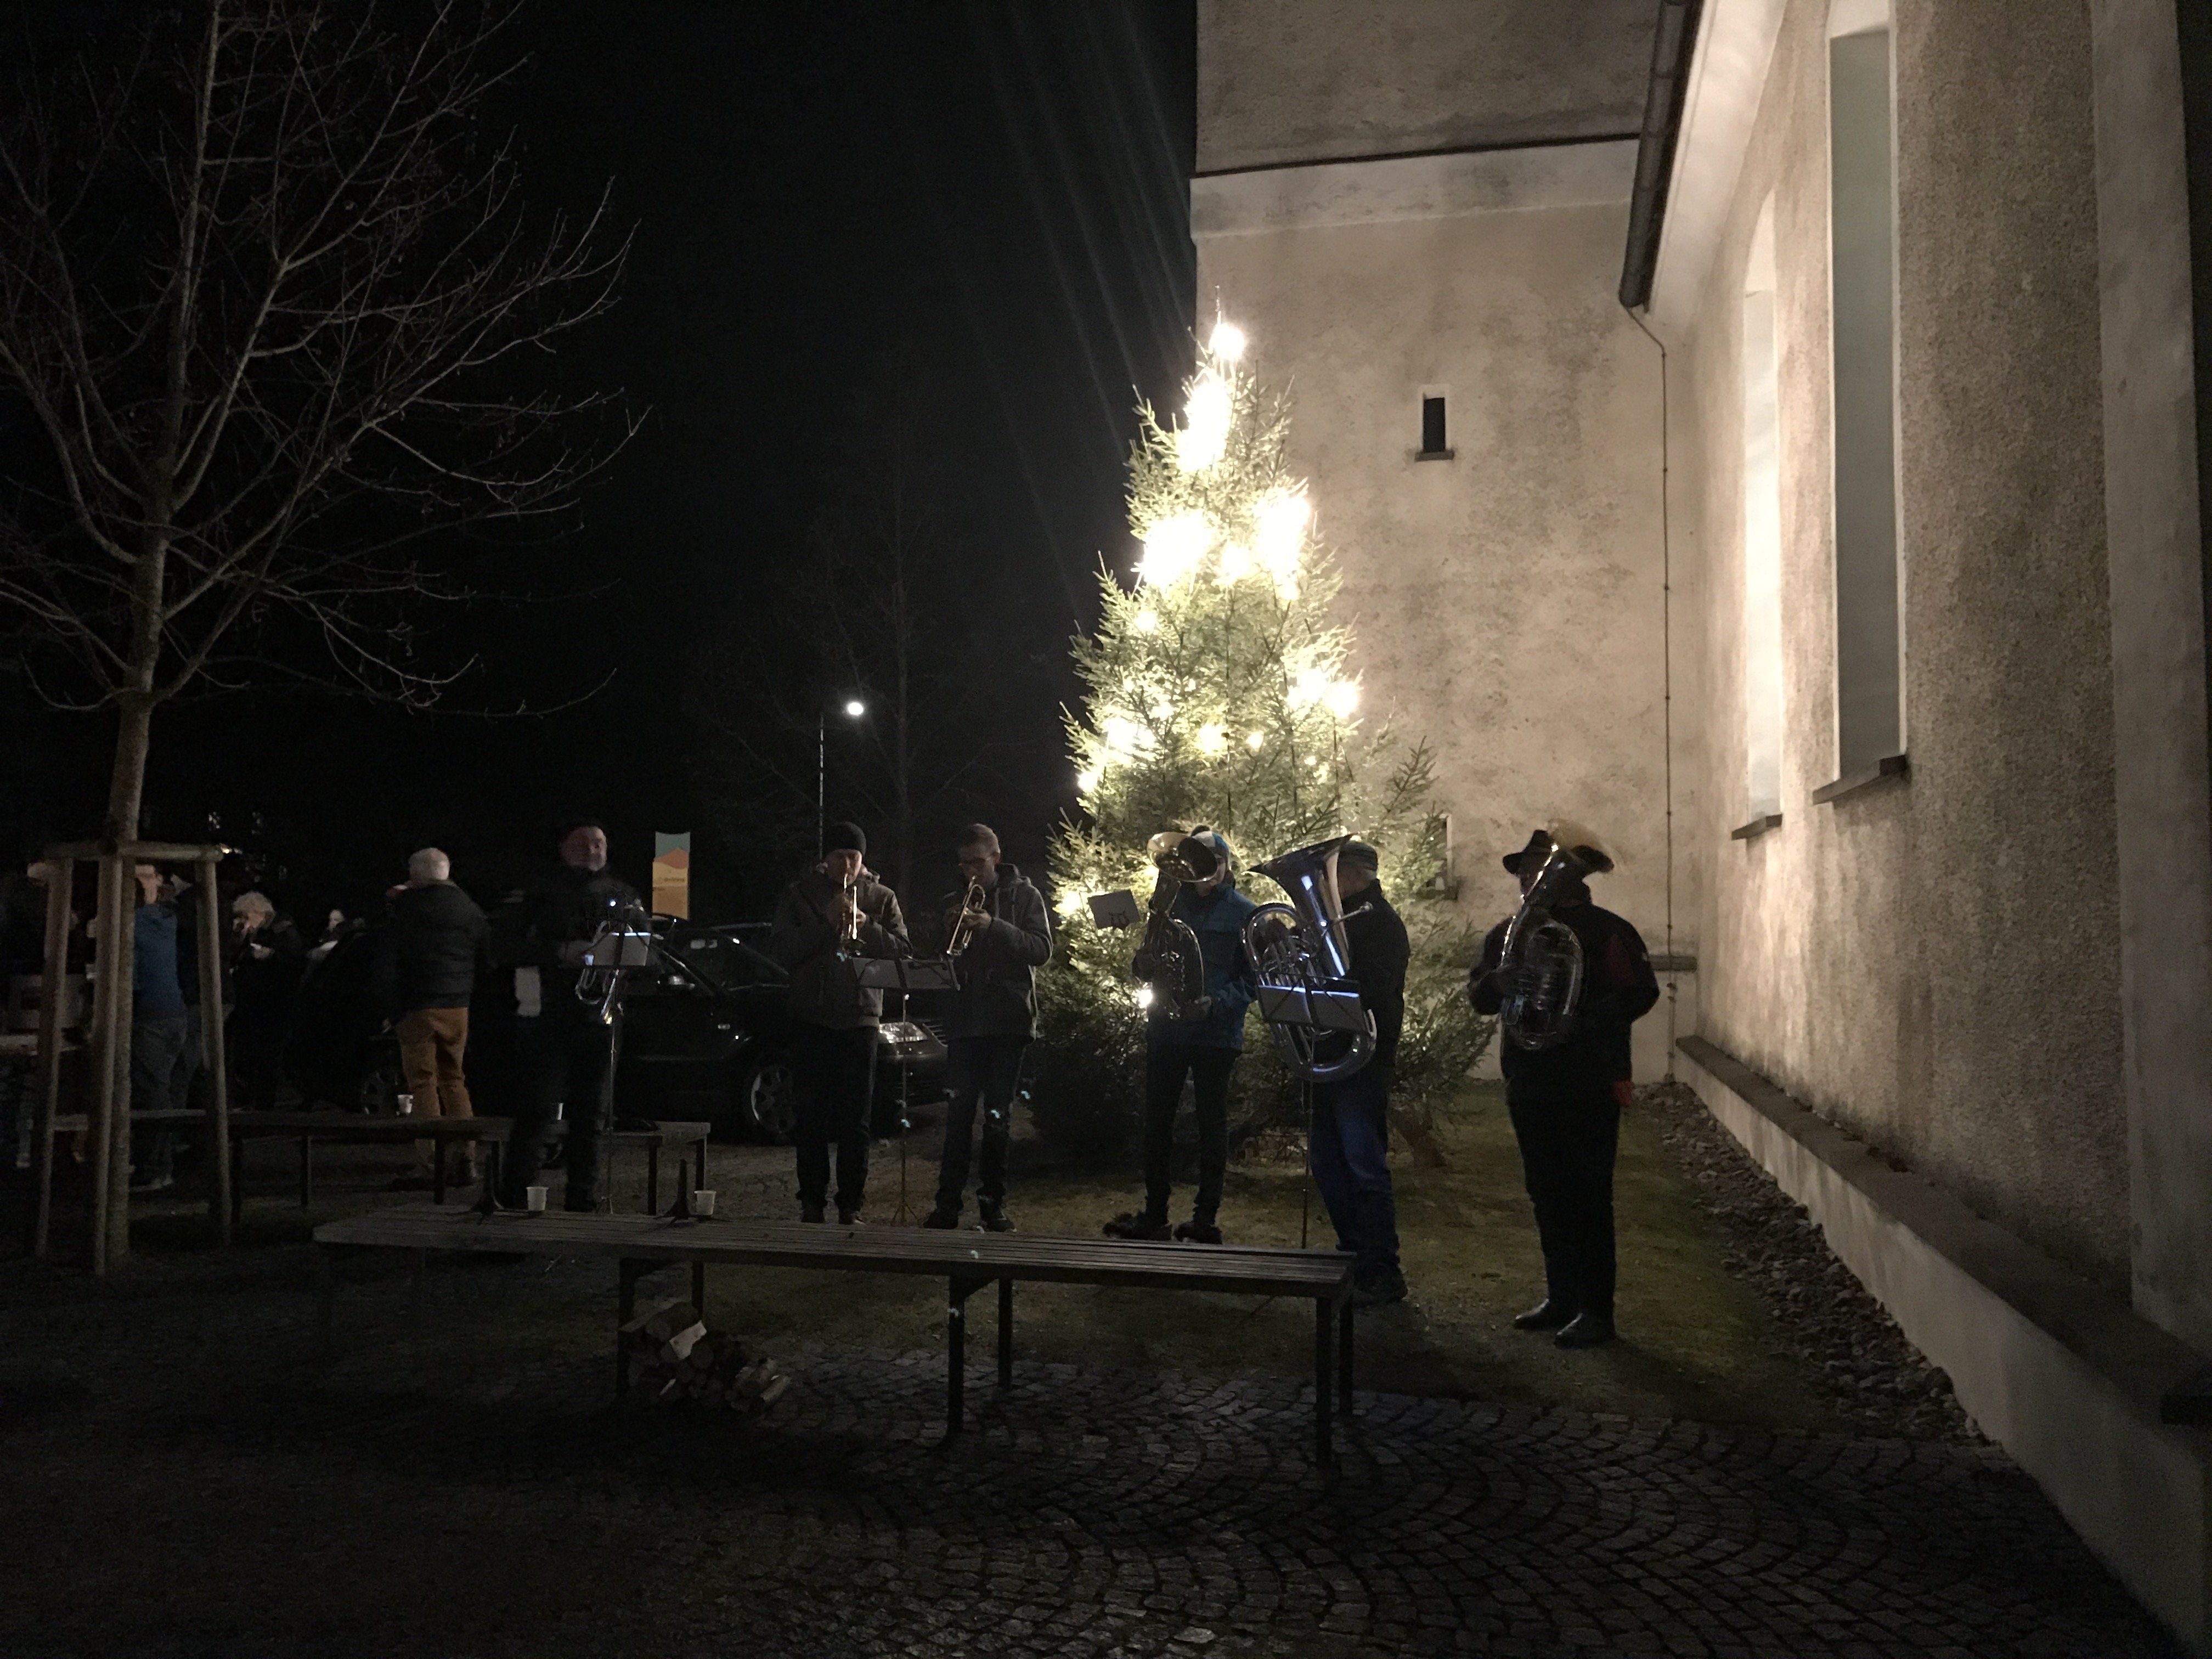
[1220,692]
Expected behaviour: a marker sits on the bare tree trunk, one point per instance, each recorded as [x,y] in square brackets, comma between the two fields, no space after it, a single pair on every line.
[126,784]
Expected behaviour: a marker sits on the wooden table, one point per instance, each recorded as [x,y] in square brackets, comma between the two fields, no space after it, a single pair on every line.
[392,1128]
[966,1261]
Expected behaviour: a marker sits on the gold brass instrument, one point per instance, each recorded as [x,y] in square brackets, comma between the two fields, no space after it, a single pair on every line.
[975,916]
[1539,962]
[1169,960]
[1302,957]
[623,940]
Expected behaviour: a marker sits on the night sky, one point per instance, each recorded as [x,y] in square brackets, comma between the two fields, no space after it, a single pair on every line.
[978,208]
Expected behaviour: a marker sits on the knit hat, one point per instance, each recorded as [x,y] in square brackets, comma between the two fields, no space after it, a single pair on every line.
[845,838]
[1359,853]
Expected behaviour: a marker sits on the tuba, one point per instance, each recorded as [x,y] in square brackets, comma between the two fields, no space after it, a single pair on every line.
[1304,961]
[1169,960]
[1539,962]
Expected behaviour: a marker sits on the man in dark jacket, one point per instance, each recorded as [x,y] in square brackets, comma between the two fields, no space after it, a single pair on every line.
[426,971]
[1566,1100]
[1348,1142]
[1203,1047]
[265,966]
[993,1017]
[564,1050]
[828,921]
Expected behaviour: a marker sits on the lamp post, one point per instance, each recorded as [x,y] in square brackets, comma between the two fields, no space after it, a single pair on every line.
[853,709]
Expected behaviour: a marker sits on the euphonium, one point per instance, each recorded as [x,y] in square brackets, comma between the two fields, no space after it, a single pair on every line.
[1169,960]
[1539,961]
[1304,959]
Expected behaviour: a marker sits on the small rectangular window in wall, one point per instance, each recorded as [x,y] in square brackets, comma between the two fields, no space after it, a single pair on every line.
[1435,440]
[1869,693]
[1762,549]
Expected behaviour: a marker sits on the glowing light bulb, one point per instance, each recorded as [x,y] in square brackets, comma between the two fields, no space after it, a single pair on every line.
[1173,548]
[1087,780]
[1212,740]
[1256,740]
[1205,433]
[1308,687]
[1236,564]
[1226,341]
[1342,698]
[1071,904]
[854,708]
[1148,622]
[1144,996]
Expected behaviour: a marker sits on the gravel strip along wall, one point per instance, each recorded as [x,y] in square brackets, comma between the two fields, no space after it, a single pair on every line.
[1872,1374]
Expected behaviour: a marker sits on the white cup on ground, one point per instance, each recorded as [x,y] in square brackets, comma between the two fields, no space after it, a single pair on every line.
[533,1200]
[703,1203]
[406,1105]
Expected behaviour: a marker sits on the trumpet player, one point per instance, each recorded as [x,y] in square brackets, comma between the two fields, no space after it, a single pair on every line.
[565,1050]
[1566,1098]
[998,934]
[835,914]
[1200,1040]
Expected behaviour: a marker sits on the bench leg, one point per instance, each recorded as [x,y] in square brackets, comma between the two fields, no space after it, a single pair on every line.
[438,1169]
[306,1170]
[1324,1379]
[699,1287]
[625,1311]
[326,1301]
[1005,1332]
[652,1180]
[1344,1360]
[237,1182]
[955,1351]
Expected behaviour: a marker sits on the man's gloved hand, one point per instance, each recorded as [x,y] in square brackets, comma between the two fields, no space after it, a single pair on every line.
[1198,1009]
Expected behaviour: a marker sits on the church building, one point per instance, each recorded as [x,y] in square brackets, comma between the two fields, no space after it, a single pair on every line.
[1766,431]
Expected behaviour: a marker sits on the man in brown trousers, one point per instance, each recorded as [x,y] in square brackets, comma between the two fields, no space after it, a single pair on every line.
[426,971]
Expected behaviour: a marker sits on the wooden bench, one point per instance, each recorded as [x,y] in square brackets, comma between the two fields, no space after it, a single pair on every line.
[356,1128]
[966,1261]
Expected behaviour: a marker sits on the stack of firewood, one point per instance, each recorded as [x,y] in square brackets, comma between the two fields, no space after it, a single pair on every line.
[680,1360]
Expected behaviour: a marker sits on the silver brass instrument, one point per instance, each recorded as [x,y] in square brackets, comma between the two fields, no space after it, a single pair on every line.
[975,916]
[1539,962]
[1169,960]
[623,942]
[1304,959]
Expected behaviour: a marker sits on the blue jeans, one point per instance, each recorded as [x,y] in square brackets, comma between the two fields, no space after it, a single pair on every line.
[1348,1146]
[164,1055]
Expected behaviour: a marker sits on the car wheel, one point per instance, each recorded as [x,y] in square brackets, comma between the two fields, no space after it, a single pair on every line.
[768,1101]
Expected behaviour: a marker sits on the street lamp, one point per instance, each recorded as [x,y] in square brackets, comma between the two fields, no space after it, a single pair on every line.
[853,709]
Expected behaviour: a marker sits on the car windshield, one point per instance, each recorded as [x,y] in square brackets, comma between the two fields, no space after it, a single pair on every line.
[724,957]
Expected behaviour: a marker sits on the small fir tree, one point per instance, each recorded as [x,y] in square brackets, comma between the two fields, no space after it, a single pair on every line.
[1220,692]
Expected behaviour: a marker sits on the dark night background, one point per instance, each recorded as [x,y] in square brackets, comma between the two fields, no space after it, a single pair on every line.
[977,209]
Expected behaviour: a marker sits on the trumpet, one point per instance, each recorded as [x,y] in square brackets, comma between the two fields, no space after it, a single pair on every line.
[975,916]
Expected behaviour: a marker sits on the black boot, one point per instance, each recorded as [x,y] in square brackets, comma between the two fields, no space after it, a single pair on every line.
[1588,1330]
[1197,1231]
[1546,1316]
[993,1218]
[810,1209]
[942,1219]
[849,1218]
[1139,1224]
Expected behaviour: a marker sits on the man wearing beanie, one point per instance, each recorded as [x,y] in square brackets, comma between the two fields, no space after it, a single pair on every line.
[1566,1098]
[1348,1142]
[832,916]
[1203,1047]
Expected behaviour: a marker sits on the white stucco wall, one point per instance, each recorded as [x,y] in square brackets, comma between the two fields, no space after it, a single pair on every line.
[1508,602]
[1933,963]
[1327,79]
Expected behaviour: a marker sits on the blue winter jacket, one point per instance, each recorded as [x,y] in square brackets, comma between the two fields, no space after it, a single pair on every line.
[1217,919]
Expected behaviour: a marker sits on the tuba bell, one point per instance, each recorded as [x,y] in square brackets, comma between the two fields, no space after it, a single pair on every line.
[1303,960]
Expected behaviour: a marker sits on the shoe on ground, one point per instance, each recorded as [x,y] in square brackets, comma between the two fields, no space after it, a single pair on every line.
[994,1221]
[1379,1289]
[942,1219]
[1589,1330]
[1138,1224]
[810,1212]
[849,1218]
[1546,1316]
[1195,1231]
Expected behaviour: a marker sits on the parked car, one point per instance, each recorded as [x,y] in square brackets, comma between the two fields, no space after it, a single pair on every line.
[707,1035]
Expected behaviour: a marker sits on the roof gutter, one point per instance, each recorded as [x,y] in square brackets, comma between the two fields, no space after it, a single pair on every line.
[1672,48]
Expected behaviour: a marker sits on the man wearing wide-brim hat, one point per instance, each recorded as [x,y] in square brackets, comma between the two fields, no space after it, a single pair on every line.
[1565,1090]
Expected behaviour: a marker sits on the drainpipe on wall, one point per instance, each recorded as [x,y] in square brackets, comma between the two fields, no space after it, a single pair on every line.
[1672,48]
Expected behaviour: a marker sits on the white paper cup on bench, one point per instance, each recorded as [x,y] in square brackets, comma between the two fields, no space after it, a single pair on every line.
[702,1202]
[533,1200]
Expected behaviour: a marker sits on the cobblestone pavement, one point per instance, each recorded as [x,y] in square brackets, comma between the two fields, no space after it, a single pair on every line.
[178,1478]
